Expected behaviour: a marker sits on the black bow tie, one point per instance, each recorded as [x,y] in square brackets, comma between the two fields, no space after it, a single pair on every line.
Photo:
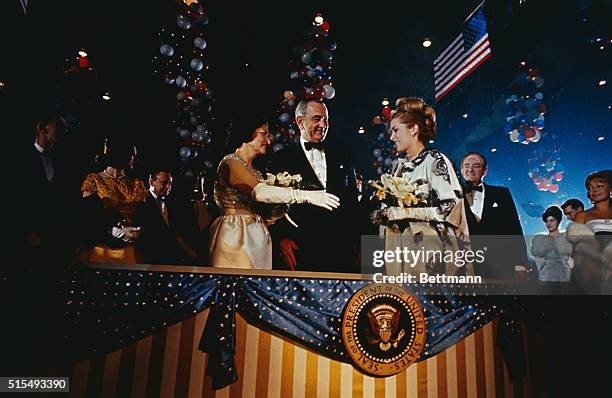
[161,199]
[313,145]
[471,188]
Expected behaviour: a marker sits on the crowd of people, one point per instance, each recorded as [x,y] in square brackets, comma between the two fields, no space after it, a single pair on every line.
[121,220]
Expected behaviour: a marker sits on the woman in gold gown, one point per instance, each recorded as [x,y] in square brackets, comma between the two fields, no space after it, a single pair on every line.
[109,200]
[239,238]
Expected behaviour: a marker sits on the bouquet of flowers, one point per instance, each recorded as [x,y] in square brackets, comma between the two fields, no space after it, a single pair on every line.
[284,180]
[397,192]
[273,212]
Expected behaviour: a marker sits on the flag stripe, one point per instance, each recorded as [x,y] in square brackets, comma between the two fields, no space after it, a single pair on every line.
[463,55]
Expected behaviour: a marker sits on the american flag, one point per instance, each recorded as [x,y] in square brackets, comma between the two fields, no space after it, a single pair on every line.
[464,54]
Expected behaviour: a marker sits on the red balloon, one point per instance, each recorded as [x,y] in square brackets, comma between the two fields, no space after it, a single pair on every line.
[325,26]
[554,188]
[541,186]
[542,108]
[537,181]
[558,176]
[533,73]
[386,112]
[83,62]
[529,133]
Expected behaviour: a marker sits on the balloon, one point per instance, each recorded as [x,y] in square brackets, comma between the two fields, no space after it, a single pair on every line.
[508,128]
[537,137]
[539,123]
[542,108]
[537,181]
[189,174]
[514,135]
[329,91]
[166,49]
[386,112]
[180,81]
[277,147]
[376,120]
[541,186]
[376,152]
[202,129]
[183,22]
[380,159]
[284,117]
[325,26]
[379,170]
[332,46]
[184,133]
[169,80]
[558,176]
[554,188]
[529,133]
[294,75]
[196,64]
[199,42]
[194,120]
[539,82]
[185,152]
[288,95]
[306,57]
[180,96]
[388,162]
[291,102]
[208,164]
[326,55]
[539,96]
[310,73]
[197,136]
[204,20]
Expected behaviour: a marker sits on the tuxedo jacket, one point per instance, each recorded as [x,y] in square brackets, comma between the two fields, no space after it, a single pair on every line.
[499,217]
[325,238]
[157,241]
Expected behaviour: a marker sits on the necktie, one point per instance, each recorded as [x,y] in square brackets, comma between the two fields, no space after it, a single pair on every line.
[313,145]
[164,210]
[48,165]
[471,188]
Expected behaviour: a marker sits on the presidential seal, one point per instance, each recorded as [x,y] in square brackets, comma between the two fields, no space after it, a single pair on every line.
[383,329]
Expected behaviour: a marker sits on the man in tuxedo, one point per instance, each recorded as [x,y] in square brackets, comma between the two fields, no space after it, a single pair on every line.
[324,240]
[493,222]
[167,228]
[48,191]
[571,208]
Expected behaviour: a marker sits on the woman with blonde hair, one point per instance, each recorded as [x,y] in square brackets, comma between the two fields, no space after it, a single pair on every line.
[439,223]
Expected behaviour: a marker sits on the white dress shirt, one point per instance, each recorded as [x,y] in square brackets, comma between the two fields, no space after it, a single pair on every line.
[316,158]
[46,161]
[478,203]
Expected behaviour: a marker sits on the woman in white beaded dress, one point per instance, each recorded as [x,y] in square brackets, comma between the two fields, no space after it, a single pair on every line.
[591,233]
[239,237]
[440,226]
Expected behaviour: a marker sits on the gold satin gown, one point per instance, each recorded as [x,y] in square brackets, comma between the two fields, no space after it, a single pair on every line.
[239,237]
[121,194]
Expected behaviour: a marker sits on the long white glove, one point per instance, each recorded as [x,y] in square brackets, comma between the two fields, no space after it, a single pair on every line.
[126,234]
[271,194]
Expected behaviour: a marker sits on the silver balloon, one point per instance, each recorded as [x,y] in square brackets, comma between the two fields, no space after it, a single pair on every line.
[169,80]
[194,120]
[380,159]
[277,147]
[201,129]
[189,173]
[180,81]
[185,152]
[208,164]
[183,22]
[388,162]
[184,133]
[284,117]
[310,73]
[306,57]
[199,42]
[197,136]
[376,152]
[291,102]
[196,64]
[180,96]
[167,50]
[328,91]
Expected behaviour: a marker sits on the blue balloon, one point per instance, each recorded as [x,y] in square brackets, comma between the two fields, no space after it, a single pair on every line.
[508,128]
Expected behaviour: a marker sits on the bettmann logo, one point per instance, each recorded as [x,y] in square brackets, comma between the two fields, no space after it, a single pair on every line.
[383,329]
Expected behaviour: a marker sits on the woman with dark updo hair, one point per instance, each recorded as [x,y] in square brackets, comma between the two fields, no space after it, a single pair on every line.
[591,233]
[440,224]
[109,200]
[552,251]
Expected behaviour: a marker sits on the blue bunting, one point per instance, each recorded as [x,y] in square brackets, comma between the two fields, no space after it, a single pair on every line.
[110,309]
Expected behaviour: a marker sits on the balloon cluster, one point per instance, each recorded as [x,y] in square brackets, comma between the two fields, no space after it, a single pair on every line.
[384,149]
[547,174]
[311,78]
[525,108]
[181,64]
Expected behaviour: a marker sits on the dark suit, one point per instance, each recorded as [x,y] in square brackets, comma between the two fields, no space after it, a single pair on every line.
[326,239]
[157,242]
[47,208]
[499,229]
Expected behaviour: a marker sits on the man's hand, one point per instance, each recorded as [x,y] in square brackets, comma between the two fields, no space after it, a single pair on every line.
[287,247]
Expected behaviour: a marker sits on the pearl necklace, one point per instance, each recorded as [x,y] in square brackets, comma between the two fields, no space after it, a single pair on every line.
[106,173]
